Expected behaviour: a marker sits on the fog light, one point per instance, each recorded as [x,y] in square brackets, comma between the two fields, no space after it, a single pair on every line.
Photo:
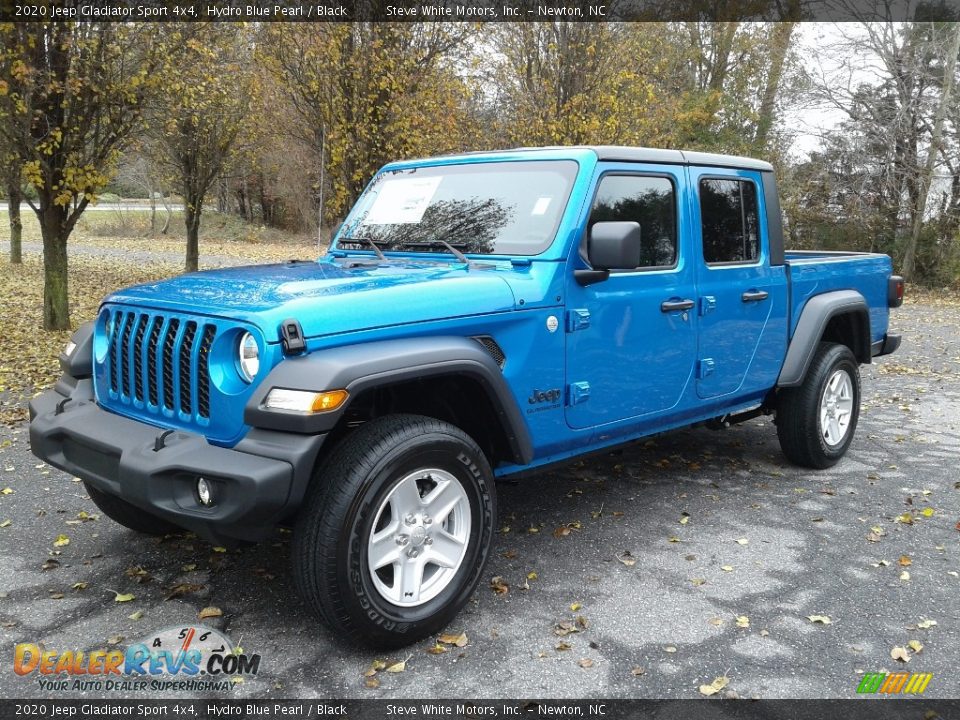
[204,492]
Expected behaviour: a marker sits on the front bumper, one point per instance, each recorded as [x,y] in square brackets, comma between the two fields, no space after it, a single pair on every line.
[258,483]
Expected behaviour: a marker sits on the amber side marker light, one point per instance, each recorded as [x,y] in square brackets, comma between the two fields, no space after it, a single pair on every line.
[305,401]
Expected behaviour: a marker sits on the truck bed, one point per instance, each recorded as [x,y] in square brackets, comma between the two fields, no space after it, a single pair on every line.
[816,271]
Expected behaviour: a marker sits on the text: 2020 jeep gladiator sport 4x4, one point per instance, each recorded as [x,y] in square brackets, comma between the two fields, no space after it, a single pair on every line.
[476,316]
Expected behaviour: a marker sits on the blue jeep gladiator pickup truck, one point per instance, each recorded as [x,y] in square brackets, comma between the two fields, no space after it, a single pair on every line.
[476,317]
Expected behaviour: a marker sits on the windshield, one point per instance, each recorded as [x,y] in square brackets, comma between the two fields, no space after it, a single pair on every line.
[492,208]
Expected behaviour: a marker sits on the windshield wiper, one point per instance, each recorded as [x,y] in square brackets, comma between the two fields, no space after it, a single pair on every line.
[443,243]
[366,241]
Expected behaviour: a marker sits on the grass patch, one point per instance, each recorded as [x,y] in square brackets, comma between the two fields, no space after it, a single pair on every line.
[30,353]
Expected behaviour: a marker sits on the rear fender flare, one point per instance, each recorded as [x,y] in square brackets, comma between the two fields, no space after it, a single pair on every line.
[814,319]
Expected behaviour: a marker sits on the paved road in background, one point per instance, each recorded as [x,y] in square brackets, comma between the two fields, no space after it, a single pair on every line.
[113,207]
[763,541]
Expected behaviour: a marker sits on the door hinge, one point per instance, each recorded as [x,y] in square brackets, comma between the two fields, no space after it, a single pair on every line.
[578,319]
[578,392]
[708,303]
[705,368]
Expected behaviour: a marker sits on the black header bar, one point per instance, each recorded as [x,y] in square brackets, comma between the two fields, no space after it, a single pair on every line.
[475,10]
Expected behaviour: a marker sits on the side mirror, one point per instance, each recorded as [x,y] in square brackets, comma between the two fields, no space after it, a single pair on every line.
[610,246]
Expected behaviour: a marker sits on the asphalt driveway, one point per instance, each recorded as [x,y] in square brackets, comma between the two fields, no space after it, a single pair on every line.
[645,573]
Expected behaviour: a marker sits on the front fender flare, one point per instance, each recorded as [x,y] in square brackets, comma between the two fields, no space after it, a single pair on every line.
[356,368]
[814,318]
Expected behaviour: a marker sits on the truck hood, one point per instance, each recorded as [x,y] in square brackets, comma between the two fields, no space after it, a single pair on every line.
[330,297]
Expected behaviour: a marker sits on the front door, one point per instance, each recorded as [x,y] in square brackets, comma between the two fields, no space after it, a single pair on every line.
[631,342]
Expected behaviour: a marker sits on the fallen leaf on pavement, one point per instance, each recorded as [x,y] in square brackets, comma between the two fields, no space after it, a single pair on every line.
[915,645]
[498,585]
[905,560]
[627,559]
[904,575]
[397,667]
[670,649]
[585,663]
[575,606]
[901,654]
[563,646]
[822,619]
[122,597]
[182,589]
[451,639]
[743,621]
[61,541]
[926,624]
[743,541]
[727,568]
[638,671]
[716,686]
[210,612]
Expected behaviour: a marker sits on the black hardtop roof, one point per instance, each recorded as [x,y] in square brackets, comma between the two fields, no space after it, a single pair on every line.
[622,153]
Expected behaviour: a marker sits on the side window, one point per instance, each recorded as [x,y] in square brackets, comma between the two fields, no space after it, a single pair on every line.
[729,221]
[650,201]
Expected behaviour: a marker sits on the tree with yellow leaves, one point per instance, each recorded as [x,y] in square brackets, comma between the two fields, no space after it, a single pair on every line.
[73,96]
[367,93]
[200,113]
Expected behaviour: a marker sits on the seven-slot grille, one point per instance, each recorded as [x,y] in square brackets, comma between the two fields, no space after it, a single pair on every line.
[160,362]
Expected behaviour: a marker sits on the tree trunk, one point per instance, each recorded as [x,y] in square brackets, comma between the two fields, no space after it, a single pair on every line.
[15,196]
[192,208]
[153,209]
[56,303]
[920,208]
[779,45]
[166,206]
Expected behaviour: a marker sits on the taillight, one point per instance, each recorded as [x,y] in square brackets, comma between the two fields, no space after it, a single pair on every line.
[895,291]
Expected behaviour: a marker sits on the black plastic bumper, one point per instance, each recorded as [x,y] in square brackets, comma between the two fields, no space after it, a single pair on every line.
[257,483]
[889,344]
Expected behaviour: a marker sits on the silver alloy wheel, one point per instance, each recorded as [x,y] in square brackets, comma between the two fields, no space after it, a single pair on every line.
[419,537]
[836,407]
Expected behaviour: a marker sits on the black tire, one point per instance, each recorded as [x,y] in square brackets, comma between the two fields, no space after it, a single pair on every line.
[329,550]
[120,511]
[799,428]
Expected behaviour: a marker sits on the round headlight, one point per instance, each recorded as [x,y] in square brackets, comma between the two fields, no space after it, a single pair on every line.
[249,357]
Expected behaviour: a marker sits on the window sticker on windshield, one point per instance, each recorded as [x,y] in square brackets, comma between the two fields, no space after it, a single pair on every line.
[402,202]
[540,208]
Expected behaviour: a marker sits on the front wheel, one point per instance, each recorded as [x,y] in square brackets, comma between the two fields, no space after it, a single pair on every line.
[395,531]
[816,421]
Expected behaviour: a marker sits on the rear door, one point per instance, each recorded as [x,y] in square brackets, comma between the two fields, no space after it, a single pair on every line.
[628,353]
[742,299]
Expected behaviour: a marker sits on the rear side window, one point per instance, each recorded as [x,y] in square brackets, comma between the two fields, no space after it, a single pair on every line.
[650,201]
[729,221]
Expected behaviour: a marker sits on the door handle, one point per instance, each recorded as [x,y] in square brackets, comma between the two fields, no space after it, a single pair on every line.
[754,295]
[669,306]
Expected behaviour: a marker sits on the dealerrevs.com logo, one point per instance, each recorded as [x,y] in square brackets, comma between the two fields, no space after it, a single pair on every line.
[192,658]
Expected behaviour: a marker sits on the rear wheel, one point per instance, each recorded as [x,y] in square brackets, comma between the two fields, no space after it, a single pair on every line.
[395,531]
[128,515]
[816,421]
